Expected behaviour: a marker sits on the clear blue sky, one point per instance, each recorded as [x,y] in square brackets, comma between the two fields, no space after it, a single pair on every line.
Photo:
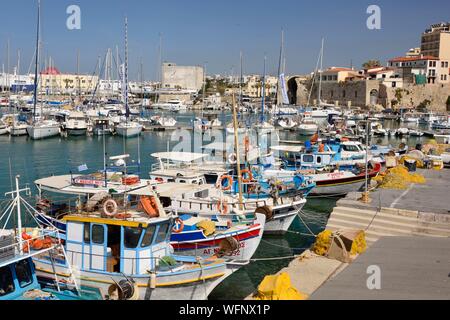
[199,31]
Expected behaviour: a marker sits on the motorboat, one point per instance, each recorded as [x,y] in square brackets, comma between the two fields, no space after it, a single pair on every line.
[129,129]
[76,124]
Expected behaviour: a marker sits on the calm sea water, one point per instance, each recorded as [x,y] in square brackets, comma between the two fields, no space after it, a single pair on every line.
[38,159]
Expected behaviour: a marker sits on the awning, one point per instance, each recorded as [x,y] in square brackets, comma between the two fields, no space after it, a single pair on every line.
[180,156]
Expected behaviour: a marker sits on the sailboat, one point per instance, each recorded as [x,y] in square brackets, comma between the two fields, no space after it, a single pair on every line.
[43,128]
[128,129]
[264,126]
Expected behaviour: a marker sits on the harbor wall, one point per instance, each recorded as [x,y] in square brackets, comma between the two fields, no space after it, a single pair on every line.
[363,94]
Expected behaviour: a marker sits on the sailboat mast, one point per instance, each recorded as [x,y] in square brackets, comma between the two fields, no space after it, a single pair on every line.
[37,62]
[263,90]
[236,148]
[127,113]
[241,81]
[319,93]
[280,66]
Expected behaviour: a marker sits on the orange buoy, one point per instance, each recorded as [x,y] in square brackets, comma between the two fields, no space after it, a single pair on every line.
[249,175]
[230,182]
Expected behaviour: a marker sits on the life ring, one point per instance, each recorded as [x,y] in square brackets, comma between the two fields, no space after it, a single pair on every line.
[110,208]
[249,178]
[159,180]
[232,158]
[222,207]
[178,226]
[230,182]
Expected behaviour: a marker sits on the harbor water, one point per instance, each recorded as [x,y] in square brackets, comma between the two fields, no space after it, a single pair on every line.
[57,156]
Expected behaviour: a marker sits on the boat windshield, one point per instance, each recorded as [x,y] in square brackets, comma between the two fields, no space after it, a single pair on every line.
[351,148]
[6,281]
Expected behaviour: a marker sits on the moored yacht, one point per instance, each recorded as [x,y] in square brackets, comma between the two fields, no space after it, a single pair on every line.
[76,124]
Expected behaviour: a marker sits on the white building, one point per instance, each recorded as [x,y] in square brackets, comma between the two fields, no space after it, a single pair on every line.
[422,70]
[188,78]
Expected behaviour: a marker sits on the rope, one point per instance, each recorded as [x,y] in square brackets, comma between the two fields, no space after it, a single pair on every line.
[306,225]
[280,246]
[275,258]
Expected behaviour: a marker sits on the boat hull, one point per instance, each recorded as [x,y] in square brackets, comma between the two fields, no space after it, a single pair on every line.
[37,133]
[129,132]
[76,131]
[191,285]
[16,132]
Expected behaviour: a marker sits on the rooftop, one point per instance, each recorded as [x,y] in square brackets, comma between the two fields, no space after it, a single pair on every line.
[409,59]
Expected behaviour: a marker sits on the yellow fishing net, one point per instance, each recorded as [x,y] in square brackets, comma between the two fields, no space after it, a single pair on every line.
[398,178]
[323,243]
[208,227]
[278,287]
[359,245]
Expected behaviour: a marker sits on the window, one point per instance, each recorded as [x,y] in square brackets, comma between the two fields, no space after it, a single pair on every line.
[98,234]
[356,94]
[132,236]
[148,237]
[87,233]
[350,148]
[343,94]
[162,233]
[308,158]
[319,160]
[23,273]
[6,281]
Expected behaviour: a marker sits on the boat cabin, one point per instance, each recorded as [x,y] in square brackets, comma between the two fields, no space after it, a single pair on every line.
[133,246]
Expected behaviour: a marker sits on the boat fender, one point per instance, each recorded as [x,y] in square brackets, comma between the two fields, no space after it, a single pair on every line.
[110,208]
[267,211]
[227,246]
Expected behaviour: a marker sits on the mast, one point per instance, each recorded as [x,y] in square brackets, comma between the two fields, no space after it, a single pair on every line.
[263,91]
[127,112]
[236,148]
[319,93]
[241,81]
[37,62]
[280,71]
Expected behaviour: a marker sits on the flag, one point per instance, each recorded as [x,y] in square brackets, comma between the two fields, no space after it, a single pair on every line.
[82,168]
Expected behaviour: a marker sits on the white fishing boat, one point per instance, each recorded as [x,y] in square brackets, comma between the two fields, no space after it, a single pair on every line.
[3,128]
[164,122]
[122,251]
[308,127]
[76,124]
[44,129]
[287,123]
[129,129]
[18,128]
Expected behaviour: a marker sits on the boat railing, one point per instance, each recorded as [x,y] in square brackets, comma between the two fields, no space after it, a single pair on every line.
[154,262]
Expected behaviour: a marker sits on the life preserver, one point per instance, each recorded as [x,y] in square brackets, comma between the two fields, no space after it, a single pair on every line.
[222,207]
[232,158]
[249,178]
[178,227]
[230,182]
[110,208]
[159,180]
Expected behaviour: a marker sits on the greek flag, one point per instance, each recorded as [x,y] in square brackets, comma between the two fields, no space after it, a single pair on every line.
[82,168]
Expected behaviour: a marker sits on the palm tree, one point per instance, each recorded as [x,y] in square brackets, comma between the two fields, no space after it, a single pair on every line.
[371,64]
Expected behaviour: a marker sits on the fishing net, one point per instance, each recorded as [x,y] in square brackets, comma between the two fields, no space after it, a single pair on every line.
[278,287]
[398,178]
[323,243]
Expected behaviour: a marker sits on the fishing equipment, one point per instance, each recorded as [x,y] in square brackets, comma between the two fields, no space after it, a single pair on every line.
[278,287]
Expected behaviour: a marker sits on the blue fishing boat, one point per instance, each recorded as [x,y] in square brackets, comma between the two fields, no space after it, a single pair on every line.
[18,246]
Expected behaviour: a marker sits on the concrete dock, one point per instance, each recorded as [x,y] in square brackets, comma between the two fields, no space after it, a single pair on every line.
[408,237]
[411,268]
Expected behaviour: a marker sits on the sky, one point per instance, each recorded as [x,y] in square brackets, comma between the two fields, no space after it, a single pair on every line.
[213,32]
